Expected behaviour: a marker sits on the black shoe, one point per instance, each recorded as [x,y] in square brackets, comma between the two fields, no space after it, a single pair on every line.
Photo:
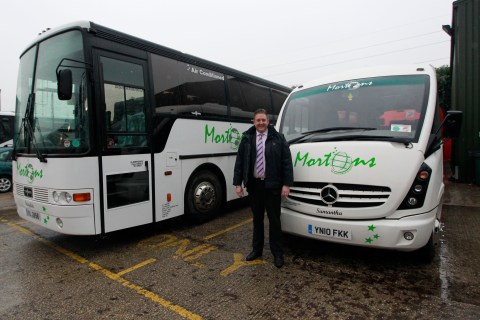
[278,261]
[253,255]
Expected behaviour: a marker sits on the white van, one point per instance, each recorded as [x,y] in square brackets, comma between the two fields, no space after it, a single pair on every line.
[367,155]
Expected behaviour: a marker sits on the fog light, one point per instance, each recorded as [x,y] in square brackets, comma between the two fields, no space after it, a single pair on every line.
[59,223]
[412,201]
[408,236]
[418,188]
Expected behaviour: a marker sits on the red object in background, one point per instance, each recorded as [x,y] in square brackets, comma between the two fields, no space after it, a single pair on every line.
[392,115]
[447,146]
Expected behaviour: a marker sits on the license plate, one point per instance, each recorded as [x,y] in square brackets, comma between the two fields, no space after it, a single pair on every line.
[33,214]
[329,232]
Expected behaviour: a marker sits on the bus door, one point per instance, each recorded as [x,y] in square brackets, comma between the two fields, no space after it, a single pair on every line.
[126,154]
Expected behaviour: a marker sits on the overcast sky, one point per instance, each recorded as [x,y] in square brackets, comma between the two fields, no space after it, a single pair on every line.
[288,42]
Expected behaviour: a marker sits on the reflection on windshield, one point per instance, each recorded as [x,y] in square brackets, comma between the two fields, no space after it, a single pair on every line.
[57,127]
[384,107]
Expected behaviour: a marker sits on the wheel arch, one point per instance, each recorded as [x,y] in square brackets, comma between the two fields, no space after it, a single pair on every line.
[213,169]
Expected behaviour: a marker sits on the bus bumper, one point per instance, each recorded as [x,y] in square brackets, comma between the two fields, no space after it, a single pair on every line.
[405,234]
[75,220]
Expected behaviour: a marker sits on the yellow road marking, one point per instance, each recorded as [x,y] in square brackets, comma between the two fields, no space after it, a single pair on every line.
[135,267]
[238,262]
[209,248]
[228,229]
[144,292]
[113,276]
[50,244]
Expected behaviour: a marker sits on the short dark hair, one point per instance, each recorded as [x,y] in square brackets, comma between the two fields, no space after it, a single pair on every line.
[260,111]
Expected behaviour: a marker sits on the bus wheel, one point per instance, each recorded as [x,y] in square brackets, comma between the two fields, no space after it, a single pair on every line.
[204,197]
[427,253]
[5,184]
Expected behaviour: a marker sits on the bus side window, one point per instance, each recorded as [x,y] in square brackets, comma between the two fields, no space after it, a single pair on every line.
[124,104]
[245,97]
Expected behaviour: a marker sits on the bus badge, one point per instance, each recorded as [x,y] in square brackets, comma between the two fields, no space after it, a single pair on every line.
[329,194]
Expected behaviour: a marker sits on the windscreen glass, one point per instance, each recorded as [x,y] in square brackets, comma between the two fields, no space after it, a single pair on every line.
[44,123]
[383,108]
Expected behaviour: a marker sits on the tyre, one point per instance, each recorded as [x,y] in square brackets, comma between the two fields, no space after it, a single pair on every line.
[427,253]
[203,197]
[5,184]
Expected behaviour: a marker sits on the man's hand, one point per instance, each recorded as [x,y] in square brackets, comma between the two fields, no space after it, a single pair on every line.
[239,191]
[285,191]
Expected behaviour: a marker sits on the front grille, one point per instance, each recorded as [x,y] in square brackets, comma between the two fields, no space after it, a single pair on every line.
[349,195]
[38,194]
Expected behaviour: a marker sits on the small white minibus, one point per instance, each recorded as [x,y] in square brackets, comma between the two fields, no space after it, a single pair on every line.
[367,154]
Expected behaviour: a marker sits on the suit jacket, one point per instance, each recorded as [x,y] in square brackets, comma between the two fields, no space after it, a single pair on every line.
[278,160]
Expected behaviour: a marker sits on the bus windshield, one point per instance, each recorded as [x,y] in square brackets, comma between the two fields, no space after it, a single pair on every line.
[44,124]
[383,108]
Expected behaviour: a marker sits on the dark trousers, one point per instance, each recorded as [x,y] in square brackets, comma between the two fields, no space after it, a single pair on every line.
[262,199]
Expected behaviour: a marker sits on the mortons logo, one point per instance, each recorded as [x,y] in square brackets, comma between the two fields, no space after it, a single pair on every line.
[340,162]
[29,172]
[231,136]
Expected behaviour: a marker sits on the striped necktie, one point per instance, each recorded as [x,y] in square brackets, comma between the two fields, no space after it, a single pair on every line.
[259,164]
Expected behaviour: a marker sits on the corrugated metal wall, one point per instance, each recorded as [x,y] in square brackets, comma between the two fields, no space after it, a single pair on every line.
[466,84]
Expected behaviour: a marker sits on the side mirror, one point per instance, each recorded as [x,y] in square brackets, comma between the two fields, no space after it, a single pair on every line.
[452,124]
[65,86]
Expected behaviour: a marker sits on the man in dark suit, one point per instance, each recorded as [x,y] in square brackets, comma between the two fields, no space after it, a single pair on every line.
[264,165]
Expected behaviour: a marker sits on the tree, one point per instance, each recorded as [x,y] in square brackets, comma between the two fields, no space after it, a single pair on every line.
[444,86]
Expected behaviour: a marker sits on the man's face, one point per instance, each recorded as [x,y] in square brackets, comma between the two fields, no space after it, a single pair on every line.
[260,122]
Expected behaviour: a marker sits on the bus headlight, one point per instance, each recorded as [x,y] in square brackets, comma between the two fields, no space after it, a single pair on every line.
[418,190]
[423,175]
[412,201]
[65,197]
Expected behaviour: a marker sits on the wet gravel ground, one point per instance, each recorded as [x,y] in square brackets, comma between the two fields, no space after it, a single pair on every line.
[175,270]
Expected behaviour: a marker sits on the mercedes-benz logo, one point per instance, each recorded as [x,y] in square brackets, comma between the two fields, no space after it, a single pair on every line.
[329,194]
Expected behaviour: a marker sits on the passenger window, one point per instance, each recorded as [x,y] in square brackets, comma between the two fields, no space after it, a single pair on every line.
[203,91]
[246,97]
[125,119]
[186,89]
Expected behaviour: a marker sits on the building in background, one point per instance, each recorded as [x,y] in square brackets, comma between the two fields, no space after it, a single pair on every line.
[465,71]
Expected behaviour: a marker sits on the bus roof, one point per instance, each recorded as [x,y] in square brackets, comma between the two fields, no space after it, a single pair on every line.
[377,71]
[126,39]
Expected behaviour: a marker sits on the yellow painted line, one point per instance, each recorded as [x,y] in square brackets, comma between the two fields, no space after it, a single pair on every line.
[135,267]
[201,253]
[144,292]
[50,244]
[113,276]
[238,262]
[228,229]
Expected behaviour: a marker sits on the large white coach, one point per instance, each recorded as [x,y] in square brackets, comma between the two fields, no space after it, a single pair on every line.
[113,131]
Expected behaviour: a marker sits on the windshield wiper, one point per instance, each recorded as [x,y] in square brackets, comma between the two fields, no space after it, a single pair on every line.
[28,128]
[357,137]
[330,129]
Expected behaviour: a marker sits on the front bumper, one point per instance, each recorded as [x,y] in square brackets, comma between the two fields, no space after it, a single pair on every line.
[377,233]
